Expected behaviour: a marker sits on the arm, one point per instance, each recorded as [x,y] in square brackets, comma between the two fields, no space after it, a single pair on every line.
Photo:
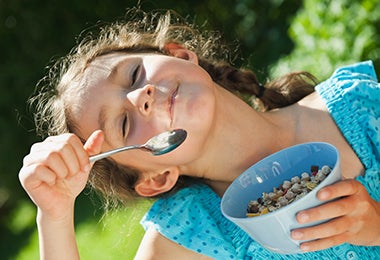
[156,246]
[57,237]
[53,174]
[356,218]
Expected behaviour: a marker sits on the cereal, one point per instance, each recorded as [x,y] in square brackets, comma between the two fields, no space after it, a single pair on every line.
[289,191]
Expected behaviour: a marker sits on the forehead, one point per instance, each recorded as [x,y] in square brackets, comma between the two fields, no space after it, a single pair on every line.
[92,80]
[102,66]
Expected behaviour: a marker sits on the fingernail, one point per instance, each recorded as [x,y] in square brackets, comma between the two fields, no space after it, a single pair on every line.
[297,235]
[304,248]
[303,217]
[324,195]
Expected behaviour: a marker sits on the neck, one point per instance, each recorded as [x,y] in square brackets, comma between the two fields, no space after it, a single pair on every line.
[253,135]
[241,137]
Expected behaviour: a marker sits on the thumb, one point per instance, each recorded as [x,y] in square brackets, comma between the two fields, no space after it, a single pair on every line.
[94,143]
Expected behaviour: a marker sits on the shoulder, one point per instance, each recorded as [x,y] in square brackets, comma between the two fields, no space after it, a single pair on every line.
[177,212]
[193,219]
[174,205]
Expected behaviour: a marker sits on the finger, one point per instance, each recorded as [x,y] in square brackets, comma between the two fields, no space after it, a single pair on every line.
[81,162]
[50,159]
[34,154]
[69,156]
[339,189]
[324,243]
[66,149]
[73,152]
[329,210]
[50,144]
[94,143]
[328,229]
[55,162]
[31,177]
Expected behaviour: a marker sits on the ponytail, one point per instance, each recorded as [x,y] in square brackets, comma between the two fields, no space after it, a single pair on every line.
[281,92]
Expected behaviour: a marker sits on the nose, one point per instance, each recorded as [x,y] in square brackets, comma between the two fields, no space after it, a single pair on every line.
[143,99]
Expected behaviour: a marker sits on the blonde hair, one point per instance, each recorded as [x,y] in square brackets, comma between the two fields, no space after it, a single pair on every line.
[149,32]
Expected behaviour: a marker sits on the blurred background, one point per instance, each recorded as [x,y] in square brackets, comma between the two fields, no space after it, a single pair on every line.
[270,36]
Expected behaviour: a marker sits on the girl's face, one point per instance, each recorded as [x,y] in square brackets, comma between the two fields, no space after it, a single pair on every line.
[132,97]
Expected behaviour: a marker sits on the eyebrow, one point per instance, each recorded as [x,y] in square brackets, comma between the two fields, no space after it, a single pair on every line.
[115,69]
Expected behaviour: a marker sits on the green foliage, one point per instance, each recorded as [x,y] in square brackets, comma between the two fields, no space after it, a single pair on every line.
[261,27]
[328,34]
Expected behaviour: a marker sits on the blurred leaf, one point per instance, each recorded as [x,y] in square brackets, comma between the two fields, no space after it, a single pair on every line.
[328,34]
[22,217]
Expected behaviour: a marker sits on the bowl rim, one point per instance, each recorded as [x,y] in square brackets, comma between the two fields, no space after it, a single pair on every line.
[293,203]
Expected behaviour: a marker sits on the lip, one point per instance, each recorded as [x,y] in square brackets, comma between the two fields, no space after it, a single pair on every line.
[171,101]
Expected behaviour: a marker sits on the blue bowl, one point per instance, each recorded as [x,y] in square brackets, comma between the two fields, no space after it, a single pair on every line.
[272,230]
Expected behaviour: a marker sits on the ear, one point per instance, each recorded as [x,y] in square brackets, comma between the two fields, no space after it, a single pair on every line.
[155,184]
[181,52]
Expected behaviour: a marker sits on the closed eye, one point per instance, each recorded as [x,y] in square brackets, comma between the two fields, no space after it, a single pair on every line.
[124,126]
[135,75]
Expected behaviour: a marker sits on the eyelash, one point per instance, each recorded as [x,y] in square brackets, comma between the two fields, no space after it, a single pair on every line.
[133,81]
[135,74]
[124,125]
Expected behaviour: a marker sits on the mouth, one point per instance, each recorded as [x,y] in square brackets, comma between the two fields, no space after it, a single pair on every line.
[171,101]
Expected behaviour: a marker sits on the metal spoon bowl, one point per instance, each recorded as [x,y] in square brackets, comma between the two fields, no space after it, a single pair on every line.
[157,145]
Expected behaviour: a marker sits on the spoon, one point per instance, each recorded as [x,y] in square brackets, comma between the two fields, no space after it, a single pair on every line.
[157,145]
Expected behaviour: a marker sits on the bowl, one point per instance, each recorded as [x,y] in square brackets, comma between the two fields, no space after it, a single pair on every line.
[272,230]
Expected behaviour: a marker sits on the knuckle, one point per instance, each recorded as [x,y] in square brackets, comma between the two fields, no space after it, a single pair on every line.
[52,156]
[364,205]
[73,168]
[344,206]
[27,173]
[344,237]
[354,186]
[51,138]
[72,138]
[70,142]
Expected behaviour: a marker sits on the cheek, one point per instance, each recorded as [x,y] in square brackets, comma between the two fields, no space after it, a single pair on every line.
[198,111]
[199,124]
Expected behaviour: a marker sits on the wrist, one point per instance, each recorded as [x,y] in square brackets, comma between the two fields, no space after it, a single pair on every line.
[55,218]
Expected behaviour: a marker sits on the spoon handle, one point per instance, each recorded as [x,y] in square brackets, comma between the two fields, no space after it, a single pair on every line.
[99,156]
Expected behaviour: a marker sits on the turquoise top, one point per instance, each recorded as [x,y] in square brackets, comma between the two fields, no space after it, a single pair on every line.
[192,217]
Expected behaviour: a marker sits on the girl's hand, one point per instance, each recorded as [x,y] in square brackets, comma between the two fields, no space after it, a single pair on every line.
[56,171]
[356,218]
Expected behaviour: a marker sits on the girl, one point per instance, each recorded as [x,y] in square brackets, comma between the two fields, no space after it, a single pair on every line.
[146,76]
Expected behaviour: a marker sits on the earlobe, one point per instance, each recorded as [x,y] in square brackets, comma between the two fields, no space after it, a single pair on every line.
[181,52]
[156,184]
